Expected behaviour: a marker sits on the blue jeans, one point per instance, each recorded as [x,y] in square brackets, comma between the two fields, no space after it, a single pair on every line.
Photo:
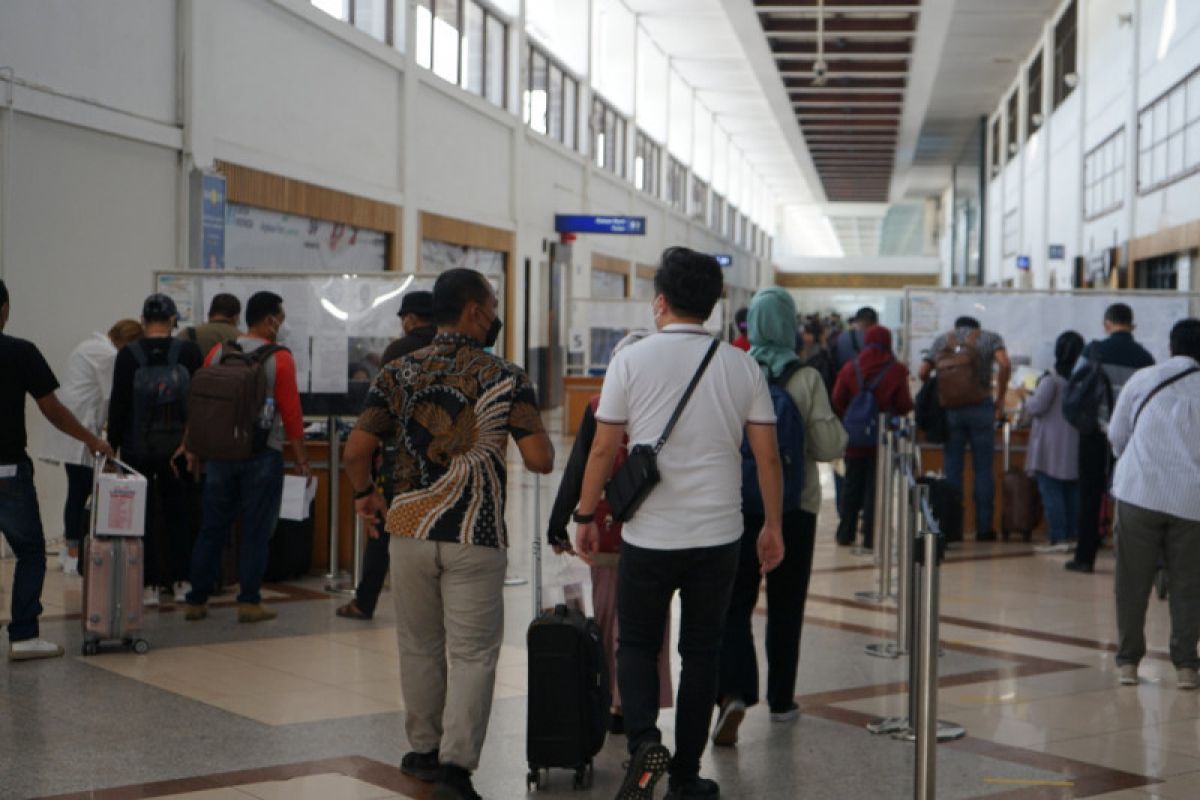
[974,425]
[254,487]
[21,521]
[1061,501]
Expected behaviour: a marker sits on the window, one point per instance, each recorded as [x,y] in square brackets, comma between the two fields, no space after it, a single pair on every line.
[551,98]
[699,204]
[677,176]
[1169,136]
[1066,78]
[995,147]
[1011,232]
[372,17]
[495,70]
[716,219]
[647,161]
[608,137]
[1104,176]
[743,236]
[731,222]
[1157,273]
[446,39]
[1014,123]
[461,41]
[1033,99]
[425,33]
[472,49]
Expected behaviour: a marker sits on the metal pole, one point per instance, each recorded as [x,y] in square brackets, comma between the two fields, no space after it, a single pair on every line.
[333,578]
[537,546]
[904,593]
[889,517]
[903,548]
[879,525]
[927,675]
[358,550]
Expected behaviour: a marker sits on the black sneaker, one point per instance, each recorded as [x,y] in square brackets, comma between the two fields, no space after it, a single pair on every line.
[648,764]
[725,732]
[1078,566]
[422,766]
[694,788]
[454,783]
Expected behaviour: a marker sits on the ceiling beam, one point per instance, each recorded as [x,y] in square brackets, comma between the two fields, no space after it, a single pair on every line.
[846,98]
[859,48]
[875,26]
[839,83]
[805,111]
[836,6]
[835,124]
[843,66]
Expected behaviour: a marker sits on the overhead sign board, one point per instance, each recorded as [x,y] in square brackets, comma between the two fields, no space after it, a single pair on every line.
[1058,252]
[585,223]
[724,259]
[1022,262]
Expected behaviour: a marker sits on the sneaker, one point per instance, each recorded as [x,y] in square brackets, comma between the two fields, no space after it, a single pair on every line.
[70,563]
[863,551]
[616,723]
[195,611]
[725,732]
[352,611]
[1186,679]
[786,715]
[166,598]
[1078,566]
[422,766]
[1127,674]
[454,783]
[694,788]
[181,591]
[1061,547]
[32,649]
[149,597]
[255,612]
[649,763]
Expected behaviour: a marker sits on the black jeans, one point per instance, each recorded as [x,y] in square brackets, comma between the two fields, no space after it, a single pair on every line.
[858,494]
[169,531]
[75,514]
[1094,461]
[647,579]
[375,565]
[787,592]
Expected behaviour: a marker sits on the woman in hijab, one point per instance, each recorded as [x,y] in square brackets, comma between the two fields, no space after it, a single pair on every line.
[876,366]
[1052,456]
[772,331]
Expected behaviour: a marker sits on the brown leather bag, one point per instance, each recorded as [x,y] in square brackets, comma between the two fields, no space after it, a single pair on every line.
[958,367]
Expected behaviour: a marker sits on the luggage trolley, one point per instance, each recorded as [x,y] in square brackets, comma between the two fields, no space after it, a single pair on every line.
[113,566]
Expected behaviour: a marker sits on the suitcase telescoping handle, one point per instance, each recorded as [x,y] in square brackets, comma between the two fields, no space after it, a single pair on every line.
[537,545]
[1007,443]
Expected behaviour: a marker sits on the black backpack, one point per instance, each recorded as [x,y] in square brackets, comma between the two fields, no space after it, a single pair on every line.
[1089,394]
[930,416]
[159,404]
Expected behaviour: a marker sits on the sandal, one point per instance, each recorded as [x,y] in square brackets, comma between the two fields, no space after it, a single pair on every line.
[352,611]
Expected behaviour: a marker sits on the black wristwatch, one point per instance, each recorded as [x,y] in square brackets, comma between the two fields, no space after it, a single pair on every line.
[367,492]
[583,519]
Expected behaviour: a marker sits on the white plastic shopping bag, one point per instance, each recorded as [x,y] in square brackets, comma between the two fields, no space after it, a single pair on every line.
[298,494]
[568,582]
[121,498]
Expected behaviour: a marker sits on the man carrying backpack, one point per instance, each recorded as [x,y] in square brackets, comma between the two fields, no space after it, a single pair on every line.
[963,359]
[243,449]
[807,432]
[872,384]
[850,342]
[223,314]
[147,417]
[1108,363]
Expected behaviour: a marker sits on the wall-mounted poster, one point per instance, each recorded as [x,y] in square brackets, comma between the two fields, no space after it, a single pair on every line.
[437,257]
[258,240]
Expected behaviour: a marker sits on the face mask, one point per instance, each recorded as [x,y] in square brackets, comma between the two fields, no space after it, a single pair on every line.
[282,331]
[493,332]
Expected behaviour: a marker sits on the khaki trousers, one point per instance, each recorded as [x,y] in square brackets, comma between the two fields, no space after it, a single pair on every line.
[449,623]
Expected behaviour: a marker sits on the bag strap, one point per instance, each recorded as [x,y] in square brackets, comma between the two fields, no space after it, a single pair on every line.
[190,331]
[687,395]
[1160,387]
[173,353]
[791,369]
[139,354]
[878,379]
[261,355]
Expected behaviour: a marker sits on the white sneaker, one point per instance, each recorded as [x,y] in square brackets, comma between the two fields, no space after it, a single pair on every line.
[32,649]
[1127,674]
[1061,547]
[181,591]
[1186,678]
[150,596]
[69,563]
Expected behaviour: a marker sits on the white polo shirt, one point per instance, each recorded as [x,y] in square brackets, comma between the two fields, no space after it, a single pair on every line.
[699,500]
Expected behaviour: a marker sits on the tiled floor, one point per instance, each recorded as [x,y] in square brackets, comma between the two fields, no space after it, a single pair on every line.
[309,705]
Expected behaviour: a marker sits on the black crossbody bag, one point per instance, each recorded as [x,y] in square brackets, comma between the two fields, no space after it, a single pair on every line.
[633,482]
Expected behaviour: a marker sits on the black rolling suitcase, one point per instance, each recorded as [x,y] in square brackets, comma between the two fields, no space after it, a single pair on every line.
[946,503]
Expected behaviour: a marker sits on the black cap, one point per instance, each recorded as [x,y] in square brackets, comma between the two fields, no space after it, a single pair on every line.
[866,314]
[419,303]
[159,307]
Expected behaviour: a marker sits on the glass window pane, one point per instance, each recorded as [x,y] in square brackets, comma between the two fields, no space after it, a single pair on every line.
[1161,123]
[335,8]
[537,97]
[370,17]
[1145,131]
[425,33]
[1192,145]
[1144,170]
[472,49]
[1160,163]
[570,111]
[1175,155]
[497,63]
[1193,98]
[446,40]
[555,105]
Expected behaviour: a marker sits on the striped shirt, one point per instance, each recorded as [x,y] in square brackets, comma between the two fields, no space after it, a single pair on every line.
[1159,466]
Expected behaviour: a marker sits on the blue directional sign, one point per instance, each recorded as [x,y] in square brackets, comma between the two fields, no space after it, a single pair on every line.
[723,259]
[584,223]
[1022,262]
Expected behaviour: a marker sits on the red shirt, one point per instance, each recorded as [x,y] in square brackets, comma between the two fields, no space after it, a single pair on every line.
[891,395]
[742,343]
[287,393]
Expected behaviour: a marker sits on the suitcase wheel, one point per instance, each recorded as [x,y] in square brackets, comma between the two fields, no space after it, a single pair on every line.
[140,646]
[536,779]
[584,776]
[91,648]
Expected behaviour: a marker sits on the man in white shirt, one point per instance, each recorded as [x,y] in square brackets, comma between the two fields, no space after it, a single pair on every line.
[685,536]
[1154,432]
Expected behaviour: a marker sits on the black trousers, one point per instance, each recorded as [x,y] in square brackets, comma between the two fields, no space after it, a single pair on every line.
[858,494]
[76,521]
[787,592]
[375,565]
[646,581]
[1094,462]
[170,534]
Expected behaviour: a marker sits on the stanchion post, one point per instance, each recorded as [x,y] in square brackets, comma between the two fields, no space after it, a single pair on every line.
[908,528]
[879,524]
[886,545]
[335,469]
[927,676]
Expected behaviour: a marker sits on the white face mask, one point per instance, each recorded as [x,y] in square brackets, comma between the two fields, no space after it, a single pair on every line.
[283,331]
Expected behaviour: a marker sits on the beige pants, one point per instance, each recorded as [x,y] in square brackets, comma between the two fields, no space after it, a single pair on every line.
[449,623]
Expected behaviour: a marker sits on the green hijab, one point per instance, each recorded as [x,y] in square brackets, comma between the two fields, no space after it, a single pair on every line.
[772,330]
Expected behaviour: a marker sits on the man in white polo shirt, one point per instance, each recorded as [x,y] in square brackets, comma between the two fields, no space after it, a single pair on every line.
[684,537]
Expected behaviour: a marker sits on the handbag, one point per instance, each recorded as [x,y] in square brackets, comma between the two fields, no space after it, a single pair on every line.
[632,483]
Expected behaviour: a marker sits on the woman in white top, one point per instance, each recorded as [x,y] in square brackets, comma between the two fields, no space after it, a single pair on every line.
[86,385]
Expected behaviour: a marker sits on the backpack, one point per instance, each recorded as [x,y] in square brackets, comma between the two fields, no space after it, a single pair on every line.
[846,348]
[789,431]
[226,401]
[1089,394]
[861,420]
[958,367]
[160,395]
[929,414]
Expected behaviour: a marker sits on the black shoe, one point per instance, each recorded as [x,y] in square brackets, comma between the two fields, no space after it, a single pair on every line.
[616,724]
[725,732]
[454,783]
[694,788]
[1078,566]
[422,766]
[649,763]
[986,536]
